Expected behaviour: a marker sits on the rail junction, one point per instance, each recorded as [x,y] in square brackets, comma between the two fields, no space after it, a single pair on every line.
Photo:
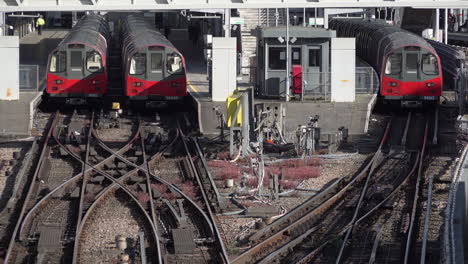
[137,131]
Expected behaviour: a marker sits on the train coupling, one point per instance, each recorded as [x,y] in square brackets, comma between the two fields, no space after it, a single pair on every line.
[411,103]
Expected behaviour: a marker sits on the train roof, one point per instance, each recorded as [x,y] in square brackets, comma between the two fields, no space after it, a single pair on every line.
[391,36]
[139,33]
[376,40]
[91,30]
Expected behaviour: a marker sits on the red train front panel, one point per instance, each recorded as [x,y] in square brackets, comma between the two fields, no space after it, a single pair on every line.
[411,73]
[59,85]
[141,87]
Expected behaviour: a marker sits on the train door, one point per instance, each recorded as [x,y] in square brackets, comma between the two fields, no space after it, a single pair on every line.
[155,65]
[411,62]
[312,72]
[75,67]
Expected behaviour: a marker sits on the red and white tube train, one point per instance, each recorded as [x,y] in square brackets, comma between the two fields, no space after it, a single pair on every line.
[409,67]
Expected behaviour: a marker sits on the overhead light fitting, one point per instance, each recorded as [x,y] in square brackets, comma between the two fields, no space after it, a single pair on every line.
[281,39]
[293,40]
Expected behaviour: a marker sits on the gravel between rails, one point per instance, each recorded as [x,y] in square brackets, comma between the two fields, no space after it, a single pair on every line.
[6,154]
[113,217]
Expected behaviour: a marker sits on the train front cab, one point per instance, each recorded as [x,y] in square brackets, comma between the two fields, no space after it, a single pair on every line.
[411,76]
[76,75]
[156,76]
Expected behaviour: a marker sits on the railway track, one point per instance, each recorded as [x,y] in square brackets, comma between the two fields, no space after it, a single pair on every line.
[114,182]
[347,221]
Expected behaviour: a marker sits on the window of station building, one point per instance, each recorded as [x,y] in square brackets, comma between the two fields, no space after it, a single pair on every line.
[93,62]
[277,58]
[393,65]
[138,64]
[314,57]
[411,62]
[58,62]
[430,65]
[296,56]
[76,61]
[173,63]
[156,62]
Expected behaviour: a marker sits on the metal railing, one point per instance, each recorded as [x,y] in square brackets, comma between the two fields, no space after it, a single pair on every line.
[29,77]
[315,85]
[367,80]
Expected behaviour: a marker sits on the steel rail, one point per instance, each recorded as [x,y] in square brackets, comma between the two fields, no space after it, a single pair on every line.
[255,253]
[419,156]
[91,167]
[212,222]
[375,246]
[116,182]
[199,152]
[83,187]
[416,198]
[45,147]
[363,193]
[78,176]
[173,187]
[426,220]
[148,187]
[307,258]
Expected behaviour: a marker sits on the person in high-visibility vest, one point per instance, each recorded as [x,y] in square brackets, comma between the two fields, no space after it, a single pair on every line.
[40,24]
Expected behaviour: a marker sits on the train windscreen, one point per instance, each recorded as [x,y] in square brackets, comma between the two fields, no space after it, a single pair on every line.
[174,63]
[430,65]
[58,62]
[393,65]
[138,64]
[93,62]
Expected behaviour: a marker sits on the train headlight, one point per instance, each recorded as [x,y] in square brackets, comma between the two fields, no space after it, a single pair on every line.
[58,82]
[137,84]
[430,84]
[94,82]
[393,84]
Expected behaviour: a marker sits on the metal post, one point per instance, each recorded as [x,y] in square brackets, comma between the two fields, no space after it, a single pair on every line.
[227,23]
[446,26]
[315,14]
[4,29]
[268,17]
[245,123]
[276,17]
[436,30]
[287,55]
[304,18]
[259,19]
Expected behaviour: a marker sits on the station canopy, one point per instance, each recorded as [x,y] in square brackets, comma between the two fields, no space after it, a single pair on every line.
[147,5]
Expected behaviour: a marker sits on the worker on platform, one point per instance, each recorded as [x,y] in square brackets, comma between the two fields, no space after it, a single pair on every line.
[40,22]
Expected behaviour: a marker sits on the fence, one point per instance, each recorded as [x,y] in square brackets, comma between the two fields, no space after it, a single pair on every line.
[367,80]
[29,77]
[315,86]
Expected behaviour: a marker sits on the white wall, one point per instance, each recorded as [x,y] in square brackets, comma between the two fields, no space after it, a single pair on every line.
[224,75]
[9,68]
[343,68]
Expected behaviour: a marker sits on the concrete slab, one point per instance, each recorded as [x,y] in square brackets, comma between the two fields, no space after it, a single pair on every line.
[16,118]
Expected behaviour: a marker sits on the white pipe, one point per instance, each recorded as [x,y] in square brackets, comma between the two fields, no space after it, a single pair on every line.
[446,26]
[436,31]
[287,55]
